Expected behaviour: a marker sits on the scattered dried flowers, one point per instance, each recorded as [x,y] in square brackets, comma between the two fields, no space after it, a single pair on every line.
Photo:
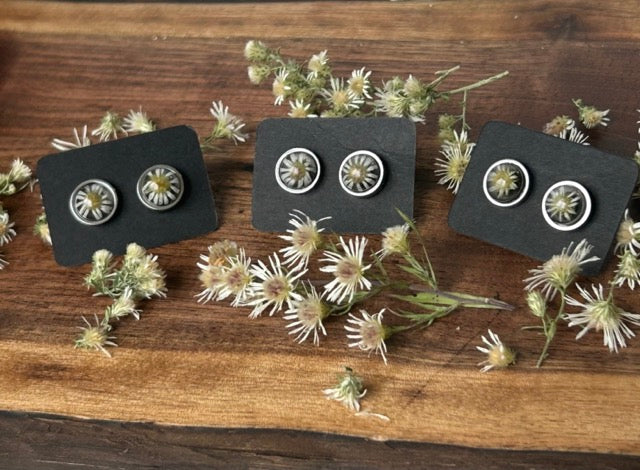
[138,277]
[355,276]
[16,179]
[348,391]
[228,126]
[499,356]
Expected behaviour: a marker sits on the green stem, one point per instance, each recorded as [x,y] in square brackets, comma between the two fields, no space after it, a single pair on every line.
[465,300]
[478,84]
[550,332]
[442,75]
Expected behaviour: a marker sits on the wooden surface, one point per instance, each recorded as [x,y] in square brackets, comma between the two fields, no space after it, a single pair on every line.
[209,369]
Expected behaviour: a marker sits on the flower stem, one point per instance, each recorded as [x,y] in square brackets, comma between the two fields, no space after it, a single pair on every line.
[478,84]
[550,332]
[464,300]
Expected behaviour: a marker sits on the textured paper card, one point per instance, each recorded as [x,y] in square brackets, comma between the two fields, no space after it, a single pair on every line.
[609,179]
[332,139]
[120,163]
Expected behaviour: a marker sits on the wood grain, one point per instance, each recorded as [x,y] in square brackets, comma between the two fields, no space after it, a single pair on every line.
[62,65]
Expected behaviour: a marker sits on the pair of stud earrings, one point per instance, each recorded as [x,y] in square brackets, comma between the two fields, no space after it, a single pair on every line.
[361,173]
[566,205]
[94,202]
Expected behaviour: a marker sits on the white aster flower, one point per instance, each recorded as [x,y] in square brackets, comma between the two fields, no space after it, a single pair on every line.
[280,88]
[272,287]
[138,121]
[628,236]
[305,238]
[457,154]
[110,125]
[574,135]
[318,64]
[218,254]
[19,172]
[394,241]
[602,314]
[229,126]
[211,279]
[300,109]
[6,228]
[628,270]
[236,279]
[80,140]
[391,100]
[368,333]
[348,390]
[340,98]
[558,273]
[590,116]
[498,355]
[562,203]
[558,125]
[95,337]
[348,270]
[306,316]
[359,83]
[122,306]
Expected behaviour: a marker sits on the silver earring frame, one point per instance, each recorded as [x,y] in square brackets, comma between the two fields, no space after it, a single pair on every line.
[525,177]
[112,196]
[142,181]
[315,180]
[587,209]
[377,184]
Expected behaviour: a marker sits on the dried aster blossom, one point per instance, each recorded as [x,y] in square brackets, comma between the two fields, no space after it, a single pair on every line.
[537,303]
[228,126]
[79,140]
[110,126]
[6,228]
[95,337]
[272,287]
[138,122]
[258,73]
[558,125]
[305,238]
[602,314]
[236,279]
[556,274]
[306,315]
[457,154]
[628,270]
[395,240]
[18,178]
[300,109]
[211,279]
[341,99]
[280,87]
[256,51]
[574,135]
[318,65]
[628,236]
[590,116]
[499,356]
[348,270]
[368,333]
[122,307]
[359,83]
[348,390]
[219,252]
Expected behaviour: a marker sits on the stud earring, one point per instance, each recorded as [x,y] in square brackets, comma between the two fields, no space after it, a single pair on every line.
[160,187]
[566,205]
[93,202]
[361,173]
[506,183]
[297,170]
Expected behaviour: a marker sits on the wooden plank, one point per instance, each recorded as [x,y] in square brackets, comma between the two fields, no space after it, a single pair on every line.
[195,365]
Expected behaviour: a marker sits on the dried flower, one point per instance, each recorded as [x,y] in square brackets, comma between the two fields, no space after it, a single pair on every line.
[457,154]
[300,109]
[562,203]
[211,279]
[368,333]
[19,172]
[574,135]
[256,51]
[628,236]
[348,270]
[359,83]
[228,126]
[258,73]
[95,337]
[306,316]
[122,307]
[6,228]
[348,390]
[41,229]
[280,88]
[590,116]
[602,314]
[236,279]
[499,356]
[395,241]
[305,238]
[272,287]
[318,65]
[628,270]
[341,99]
[556,274]
[138,121]
[78,142]
[110,125]
[219,252]
[537,303]
[558,125]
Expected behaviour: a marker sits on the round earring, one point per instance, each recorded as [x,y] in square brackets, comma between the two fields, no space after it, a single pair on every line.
[297,170]
[160,187]
[566,205]
[361,173]
[506,183]
[93,202]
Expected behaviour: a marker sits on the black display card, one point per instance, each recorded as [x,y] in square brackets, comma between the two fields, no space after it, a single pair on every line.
[120,163]
[609,179]
[331,140]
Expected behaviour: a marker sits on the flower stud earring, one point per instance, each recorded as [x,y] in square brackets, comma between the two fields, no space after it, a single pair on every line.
[93,202]
[160,187]
[361,173]
[506,183]
[566,205]
[297,170]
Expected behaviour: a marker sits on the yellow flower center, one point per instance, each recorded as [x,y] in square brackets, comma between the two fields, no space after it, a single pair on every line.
[276,288]
[161,183]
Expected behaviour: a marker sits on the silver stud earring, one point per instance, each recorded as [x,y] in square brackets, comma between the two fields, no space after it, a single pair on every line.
[93,202]
[297,170]
[506,183]
[160,187]
[361,173]
[566,205]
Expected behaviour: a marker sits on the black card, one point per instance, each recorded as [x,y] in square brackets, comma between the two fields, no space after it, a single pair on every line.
[609,179]
[393,140]
[120,163]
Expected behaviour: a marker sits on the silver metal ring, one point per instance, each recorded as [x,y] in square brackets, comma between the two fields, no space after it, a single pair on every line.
[93,202]
[506,183]
[297,170]
[361,173]
[160,187]
[566,205]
